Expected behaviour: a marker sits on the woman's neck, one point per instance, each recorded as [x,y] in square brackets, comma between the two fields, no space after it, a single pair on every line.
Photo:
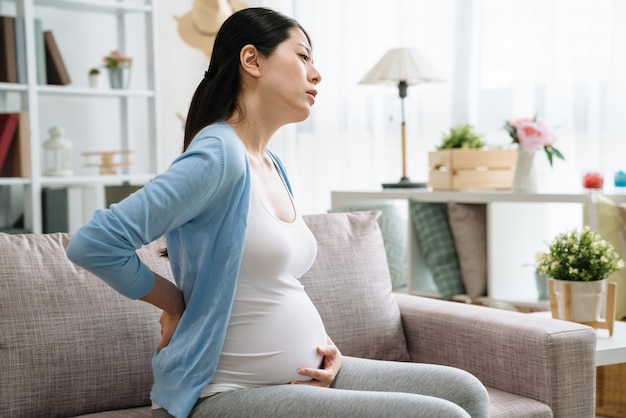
[255,136]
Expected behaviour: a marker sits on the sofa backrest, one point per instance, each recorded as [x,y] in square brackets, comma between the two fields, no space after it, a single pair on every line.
[69,344]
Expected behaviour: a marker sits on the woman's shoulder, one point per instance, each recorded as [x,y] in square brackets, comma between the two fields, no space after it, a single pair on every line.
[217,147]
[218,134]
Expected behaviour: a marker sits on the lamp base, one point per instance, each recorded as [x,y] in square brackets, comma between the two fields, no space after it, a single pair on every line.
[405,183]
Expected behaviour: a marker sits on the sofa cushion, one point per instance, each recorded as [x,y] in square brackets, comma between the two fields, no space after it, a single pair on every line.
[434,239]
[349,284]
[394,231]
[59,353]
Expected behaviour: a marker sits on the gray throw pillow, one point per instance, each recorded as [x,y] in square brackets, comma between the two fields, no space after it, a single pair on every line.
[468,223]
[77,347]
[349,284]
[393,227]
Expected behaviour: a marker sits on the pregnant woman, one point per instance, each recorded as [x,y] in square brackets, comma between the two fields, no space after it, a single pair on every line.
[239,335]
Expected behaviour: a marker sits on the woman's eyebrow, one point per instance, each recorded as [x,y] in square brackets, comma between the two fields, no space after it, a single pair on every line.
[305,47]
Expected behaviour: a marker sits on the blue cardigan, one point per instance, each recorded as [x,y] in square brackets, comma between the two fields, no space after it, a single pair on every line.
[201,205]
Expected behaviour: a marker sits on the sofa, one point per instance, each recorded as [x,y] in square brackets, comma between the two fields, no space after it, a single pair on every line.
[71,346]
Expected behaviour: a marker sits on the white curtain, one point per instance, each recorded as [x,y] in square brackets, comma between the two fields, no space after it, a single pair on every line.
[563,60]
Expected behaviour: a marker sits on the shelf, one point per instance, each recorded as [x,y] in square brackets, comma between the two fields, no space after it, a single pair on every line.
[8,181]
[96,6]
[91,92]
[115,24]
[482,196]
[96,180]
[12,87]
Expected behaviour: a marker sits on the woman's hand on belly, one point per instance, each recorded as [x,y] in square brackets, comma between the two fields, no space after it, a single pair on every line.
[331,364]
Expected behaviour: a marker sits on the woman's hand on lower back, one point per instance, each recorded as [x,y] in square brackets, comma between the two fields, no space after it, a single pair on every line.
[166,296]
[169,322]
[324,376]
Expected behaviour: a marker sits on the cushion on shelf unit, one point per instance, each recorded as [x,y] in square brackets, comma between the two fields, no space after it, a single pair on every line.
[432,230]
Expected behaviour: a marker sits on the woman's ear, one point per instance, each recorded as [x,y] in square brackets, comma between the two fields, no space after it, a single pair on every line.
[249,58]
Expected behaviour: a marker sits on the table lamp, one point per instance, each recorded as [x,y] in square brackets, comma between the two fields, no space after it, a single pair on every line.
[403,67]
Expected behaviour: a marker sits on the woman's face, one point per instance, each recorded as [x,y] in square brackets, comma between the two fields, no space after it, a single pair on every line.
[289,79]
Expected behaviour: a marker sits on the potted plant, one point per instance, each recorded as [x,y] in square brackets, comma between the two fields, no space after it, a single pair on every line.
[118,65]
[462,136]
[583,259]
[94,77]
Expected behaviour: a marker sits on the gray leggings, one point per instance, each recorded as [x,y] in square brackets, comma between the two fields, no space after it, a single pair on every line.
[363,388]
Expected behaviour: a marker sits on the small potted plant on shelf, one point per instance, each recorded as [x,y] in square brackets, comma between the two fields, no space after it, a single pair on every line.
[94,77]
[583,259]
[118,65]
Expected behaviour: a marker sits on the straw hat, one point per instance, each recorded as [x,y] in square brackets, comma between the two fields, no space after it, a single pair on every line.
[199,26]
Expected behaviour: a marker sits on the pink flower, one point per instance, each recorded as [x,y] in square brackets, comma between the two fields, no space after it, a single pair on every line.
[532,135]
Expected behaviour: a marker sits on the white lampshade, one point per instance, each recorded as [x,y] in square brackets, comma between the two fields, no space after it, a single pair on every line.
[403,64]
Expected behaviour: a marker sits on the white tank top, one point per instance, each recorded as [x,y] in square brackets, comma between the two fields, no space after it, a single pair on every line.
[274,328]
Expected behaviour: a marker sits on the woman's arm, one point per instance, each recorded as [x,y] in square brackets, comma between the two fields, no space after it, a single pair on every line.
[167,297]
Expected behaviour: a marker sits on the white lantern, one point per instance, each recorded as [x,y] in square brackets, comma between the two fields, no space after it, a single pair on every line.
[58,153]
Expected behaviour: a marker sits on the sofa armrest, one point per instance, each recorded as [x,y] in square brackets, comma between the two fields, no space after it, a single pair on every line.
[548,360]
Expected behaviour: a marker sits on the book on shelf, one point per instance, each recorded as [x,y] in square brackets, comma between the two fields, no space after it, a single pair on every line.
[56,72]
[17,162]
[8,127]
[54,210]
[20,48]
[40,53]
[8,58]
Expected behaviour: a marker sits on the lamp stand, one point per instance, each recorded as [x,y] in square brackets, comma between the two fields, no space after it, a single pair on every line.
[404,182]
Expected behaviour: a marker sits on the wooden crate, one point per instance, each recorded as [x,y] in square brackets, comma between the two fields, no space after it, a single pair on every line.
[459,169]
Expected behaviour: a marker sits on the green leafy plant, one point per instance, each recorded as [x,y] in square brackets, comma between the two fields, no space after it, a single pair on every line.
[94,71]
[579,255]
[461,136]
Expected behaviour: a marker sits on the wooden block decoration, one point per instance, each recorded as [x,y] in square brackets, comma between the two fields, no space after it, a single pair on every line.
[466,169]
[56,72]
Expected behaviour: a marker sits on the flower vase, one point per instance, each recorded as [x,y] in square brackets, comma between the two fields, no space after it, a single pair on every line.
[119,77]
[525,178]
[586,299]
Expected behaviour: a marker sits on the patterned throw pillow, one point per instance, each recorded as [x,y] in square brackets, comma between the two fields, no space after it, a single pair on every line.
[394,230]
[434,238]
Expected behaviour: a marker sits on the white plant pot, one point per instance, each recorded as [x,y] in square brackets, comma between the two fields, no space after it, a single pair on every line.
[95,81]
[586,299]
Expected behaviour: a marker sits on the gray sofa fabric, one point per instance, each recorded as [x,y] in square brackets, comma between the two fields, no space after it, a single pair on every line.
[71,346]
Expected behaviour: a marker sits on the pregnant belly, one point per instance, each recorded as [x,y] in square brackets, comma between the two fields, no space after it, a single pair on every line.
[269,339]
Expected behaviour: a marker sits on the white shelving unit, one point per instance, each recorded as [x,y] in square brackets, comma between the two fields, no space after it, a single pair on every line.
[94,119]
[518,226]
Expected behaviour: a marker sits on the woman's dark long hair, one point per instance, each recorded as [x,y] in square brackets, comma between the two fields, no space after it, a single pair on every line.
[216,96]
